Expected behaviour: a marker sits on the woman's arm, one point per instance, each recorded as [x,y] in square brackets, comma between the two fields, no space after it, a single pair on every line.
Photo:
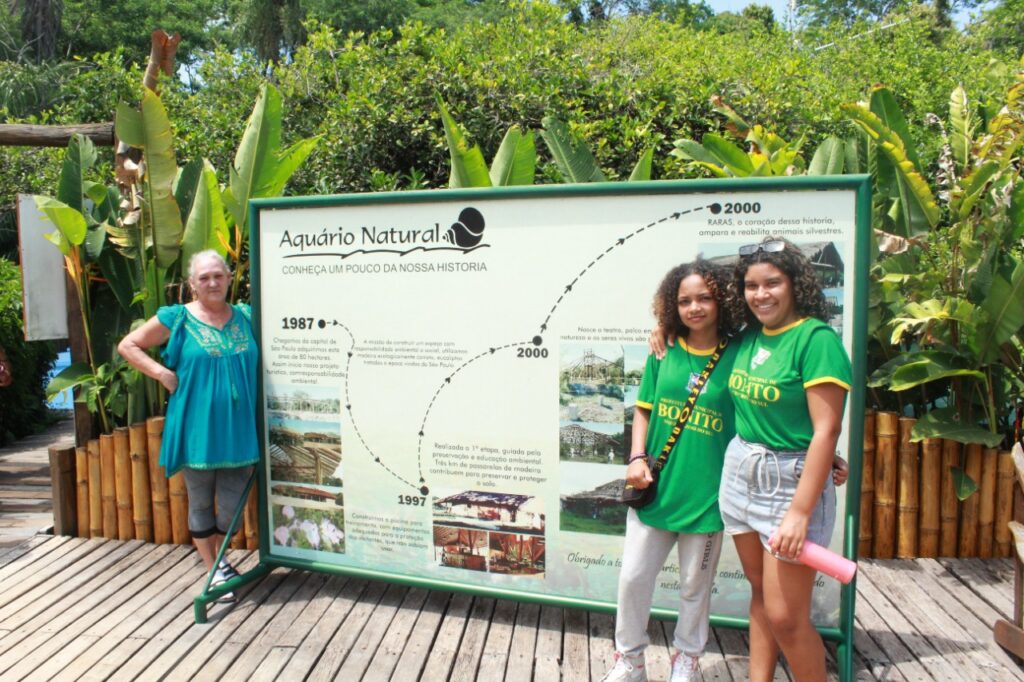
[825,404]
[638,474]
[133,349]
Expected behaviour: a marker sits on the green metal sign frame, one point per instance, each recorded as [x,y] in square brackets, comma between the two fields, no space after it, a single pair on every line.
[859,184]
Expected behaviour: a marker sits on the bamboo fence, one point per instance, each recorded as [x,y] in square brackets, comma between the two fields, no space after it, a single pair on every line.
[121,492]
[909,506]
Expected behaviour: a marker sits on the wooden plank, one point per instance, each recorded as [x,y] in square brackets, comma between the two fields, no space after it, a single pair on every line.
[735,652]
[576,657]
[522,650]
[393,643]
[61,583]
[467,658]
[64,621]
[494,657]
[159,632]
[31,135]
[179,652]
[548,650]
[19,550]
[279,627]
[932,655]
[442,653]
[363,651]
[713,666]
[899,659]
[993,591]
[34,553]
[210,658]
[272,664]
[112,649]
[336,600]
[972,614]
[874,663]
[346,635]
[417,648]
[602,644]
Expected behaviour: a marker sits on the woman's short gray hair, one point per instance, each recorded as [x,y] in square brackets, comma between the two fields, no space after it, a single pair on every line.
[208,254]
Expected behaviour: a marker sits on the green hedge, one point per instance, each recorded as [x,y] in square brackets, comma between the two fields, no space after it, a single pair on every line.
[23,404]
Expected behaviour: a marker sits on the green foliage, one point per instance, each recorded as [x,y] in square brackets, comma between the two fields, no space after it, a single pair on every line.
[23,404]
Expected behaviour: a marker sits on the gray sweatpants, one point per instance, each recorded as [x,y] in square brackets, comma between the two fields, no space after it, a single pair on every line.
[643,556]
[204,485]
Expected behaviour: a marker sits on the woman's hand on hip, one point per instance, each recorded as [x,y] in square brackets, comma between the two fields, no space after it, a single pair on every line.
[638,475]
[169,380]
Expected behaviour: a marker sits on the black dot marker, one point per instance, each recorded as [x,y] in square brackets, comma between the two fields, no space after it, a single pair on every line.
[537,340]
[716,208]
[424,490]
[322,323]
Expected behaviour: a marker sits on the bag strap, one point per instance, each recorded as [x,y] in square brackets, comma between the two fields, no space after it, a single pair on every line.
[684,414]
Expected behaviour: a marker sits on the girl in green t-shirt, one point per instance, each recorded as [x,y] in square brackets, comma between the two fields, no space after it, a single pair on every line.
[691,305]
[789,384]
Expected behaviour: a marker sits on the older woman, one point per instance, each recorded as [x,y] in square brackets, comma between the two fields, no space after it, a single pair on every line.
[210,364]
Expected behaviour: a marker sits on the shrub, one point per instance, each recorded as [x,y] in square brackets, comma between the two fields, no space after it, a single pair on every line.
[23,404]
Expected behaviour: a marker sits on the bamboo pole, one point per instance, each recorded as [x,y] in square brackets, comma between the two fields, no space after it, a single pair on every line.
[82,490]
[142,501]
[931,487]
[987,502]
[1004,505]
[949,505]
[886,429]
[158,483]
[238,539]
[179,509]
[251,518]
[867,487]
[95,494]
[123,485]
[909,508]
[969,510]
[108,491]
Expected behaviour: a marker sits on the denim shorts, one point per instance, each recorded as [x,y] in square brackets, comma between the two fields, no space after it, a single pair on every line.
[757,488]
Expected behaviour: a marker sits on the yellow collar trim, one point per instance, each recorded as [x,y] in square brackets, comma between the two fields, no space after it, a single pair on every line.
[776,332]
[696,351]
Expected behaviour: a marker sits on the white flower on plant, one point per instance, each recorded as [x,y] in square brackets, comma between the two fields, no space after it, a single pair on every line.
[281,534]
[330,532]
[312,533]
[288,511]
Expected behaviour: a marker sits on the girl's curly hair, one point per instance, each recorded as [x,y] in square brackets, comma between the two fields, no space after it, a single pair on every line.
[809,299]
[666,306]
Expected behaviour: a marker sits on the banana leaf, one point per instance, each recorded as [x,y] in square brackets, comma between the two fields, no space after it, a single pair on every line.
[829,158]
[69,377]
[927,366]
[570,153]
[468,166]
[78,158]
[70,223]
[642,169]
[961,136]
[206,228]
[945,423]
[1004,304]
[185,186]
[732,159]
[515,162]
[883,105]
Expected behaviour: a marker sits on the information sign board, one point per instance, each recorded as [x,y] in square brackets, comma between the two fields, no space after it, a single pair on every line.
[449,376]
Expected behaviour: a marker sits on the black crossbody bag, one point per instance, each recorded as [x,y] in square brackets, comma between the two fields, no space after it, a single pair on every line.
[637,498]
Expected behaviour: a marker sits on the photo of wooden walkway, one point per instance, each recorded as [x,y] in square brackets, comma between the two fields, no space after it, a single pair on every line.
[97,609]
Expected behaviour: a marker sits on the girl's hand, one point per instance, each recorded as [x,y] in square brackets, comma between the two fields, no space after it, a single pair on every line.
[169,380]
[638,474]
[789,538]
[658,342]
[840,471]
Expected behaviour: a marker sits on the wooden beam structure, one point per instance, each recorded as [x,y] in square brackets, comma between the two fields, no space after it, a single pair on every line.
[26,135]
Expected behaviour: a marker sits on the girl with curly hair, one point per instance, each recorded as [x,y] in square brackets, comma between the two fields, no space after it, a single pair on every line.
[788,384]
[691,303]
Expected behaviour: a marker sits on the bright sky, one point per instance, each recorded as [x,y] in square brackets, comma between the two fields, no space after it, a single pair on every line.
[781,7]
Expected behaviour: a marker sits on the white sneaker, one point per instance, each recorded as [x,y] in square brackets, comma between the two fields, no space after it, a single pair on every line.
[627,669]
[684,668]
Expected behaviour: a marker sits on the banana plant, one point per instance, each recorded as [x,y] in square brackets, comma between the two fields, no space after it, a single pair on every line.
[962,320]
[514,163]
[574,159]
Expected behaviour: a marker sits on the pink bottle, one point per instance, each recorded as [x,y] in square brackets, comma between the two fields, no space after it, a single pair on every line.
[825,560]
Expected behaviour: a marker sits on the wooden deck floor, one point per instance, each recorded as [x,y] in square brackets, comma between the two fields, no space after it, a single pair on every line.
[104,609]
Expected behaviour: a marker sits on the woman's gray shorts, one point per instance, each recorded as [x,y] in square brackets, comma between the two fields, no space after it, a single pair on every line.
[757,488]
[204,485]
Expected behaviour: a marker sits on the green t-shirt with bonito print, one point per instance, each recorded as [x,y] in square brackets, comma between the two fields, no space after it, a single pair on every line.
[771,375]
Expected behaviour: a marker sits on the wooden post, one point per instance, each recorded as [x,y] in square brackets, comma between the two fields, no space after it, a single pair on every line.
[968,546]
[987,502]
[95,493]
[909,509]
[158,482]
[867,487]
[931,487]
[142,502]
[123,485]
[62,486]
[251,514]
[949,505]
[886,429]
[24,134]
[108,491]
[1004,505]
[82,481]
[238,539]
[179,509]
[1009,635]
